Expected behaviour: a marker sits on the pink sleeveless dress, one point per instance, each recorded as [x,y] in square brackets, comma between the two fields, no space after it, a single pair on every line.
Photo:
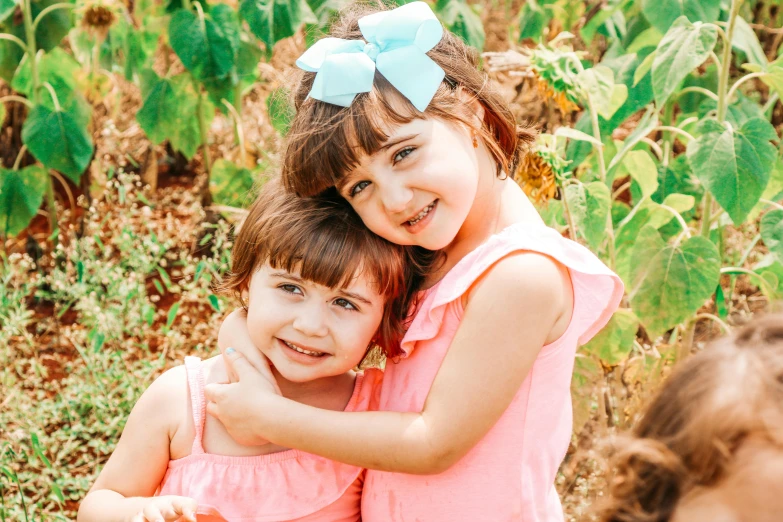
[509,475]
[288,485]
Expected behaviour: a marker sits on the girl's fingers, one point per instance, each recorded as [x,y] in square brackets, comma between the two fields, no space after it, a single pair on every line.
[186,507]
[153,514]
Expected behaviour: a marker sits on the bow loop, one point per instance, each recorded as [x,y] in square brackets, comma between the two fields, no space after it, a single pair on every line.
[396,43]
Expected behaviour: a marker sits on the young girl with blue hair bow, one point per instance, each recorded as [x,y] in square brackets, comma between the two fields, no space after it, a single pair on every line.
[394,115]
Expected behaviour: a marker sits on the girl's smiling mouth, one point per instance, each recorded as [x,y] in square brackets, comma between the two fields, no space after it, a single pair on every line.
[421,219]
[301,350]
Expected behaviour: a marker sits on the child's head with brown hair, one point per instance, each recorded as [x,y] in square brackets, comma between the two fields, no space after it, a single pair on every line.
[327,143]
[715,411]
[318,245]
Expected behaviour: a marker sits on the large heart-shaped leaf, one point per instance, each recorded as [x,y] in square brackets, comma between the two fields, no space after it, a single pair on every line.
[614,342]
[461,19]
[734,165]
[672,283]
[641,168]
[21,194]
[57,140]
[170,111]
[662,13]
[684,47]
[208,50]
[273,20]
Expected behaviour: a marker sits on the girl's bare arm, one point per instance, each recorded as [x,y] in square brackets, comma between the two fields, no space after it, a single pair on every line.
[510,315]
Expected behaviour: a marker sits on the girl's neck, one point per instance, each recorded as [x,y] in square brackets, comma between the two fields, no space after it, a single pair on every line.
[499,203]
[332,393]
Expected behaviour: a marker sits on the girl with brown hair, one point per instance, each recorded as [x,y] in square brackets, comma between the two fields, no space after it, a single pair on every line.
[394,114]
[710,444]
[320,290]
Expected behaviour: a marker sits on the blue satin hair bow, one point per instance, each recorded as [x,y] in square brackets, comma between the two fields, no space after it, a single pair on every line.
[397,41]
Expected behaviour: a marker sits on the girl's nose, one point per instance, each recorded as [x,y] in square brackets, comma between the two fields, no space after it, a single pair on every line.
[312,321]
[396,197]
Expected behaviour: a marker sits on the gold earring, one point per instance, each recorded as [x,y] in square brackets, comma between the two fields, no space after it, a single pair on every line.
[475,140]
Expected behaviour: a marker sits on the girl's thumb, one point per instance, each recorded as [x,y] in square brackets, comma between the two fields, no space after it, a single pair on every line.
[236,363]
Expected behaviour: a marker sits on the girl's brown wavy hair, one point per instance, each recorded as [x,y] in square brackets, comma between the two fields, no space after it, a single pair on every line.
[701,415]
[324,241]
[326,141]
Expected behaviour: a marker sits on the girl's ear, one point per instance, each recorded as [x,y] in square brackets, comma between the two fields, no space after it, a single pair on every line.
[473,103]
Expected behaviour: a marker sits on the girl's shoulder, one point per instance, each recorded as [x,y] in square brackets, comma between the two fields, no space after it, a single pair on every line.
[597,290]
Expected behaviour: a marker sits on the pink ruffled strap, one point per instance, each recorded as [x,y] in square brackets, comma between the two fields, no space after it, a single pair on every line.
[597,290]
[197,400]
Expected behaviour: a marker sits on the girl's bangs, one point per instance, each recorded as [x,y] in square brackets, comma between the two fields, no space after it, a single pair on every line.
[327,141]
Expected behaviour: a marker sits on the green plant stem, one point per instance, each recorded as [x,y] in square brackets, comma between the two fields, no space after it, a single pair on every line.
[753,275]
[19,157]
[676,130]
[16,40]
[668,117]
[32,50]
[773,99]
[771,203]
[53,95]
[714,318]
[202,127]
[725,69]
[187,5]
[741,81]
[240,133]
[52,206]
[13,97]
[706,214]
[569,218]
[679,217]
[53,7]
[700,90]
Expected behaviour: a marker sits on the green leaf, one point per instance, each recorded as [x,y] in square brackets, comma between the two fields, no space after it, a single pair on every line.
[21,194]
[461,18]
[660,216]
[170,111]
[598,83]
[650,37]
[231,184]
[774,76]
[734,165]
[273,20]
[643,69]
[214,302]
[614,342]
[7,8]
[281,111]
[598,200]
[663,13]
[771,229]
[2,113]
[645,126]
[172,315]
[57,140]
[684,47]
[568,132]
[533,19]
[642,170]
[208,50]
[745,39]
[674,282]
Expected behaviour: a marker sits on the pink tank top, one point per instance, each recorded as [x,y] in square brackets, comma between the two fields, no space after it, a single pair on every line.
[509,475]
[288,485]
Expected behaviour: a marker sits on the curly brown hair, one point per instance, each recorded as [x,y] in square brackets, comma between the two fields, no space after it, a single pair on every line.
[326,141]
[691,431]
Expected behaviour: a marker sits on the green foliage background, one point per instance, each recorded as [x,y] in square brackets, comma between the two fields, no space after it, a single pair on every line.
[660,150]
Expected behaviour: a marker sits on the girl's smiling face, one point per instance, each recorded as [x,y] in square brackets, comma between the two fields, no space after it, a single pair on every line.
[419,188]
[309,331]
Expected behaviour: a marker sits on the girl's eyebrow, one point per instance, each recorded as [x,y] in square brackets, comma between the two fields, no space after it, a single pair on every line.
[357,297]
[395,141]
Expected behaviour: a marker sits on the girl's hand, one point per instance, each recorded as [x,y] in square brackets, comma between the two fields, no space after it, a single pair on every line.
[240,405]
[234,333]
[169,508]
